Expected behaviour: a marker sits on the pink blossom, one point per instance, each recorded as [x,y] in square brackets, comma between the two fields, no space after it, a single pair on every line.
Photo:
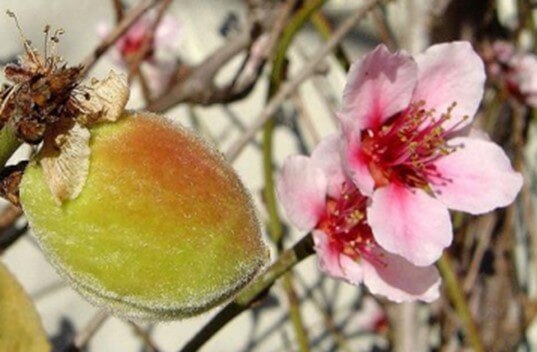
[521,78]
[408,146]
[503,51]
[371,317]
[160,62]
[318,196]
[516,70]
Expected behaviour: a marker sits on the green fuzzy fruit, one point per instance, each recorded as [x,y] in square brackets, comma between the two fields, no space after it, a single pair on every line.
[20,326]
[162,229]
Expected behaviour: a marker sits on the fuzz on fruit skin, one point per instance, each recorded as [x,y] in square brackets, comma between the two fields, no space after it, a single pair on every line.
[162,229]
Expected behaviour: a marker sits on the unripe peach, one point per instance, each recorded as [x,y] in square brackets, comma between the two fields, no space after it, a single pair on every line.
[162,229]
[20,325]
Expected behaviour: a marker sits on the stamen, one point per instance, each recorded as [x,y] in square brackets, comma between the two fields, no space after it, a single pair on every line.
[346,225]
[27,44]
[46,30]
[405,148]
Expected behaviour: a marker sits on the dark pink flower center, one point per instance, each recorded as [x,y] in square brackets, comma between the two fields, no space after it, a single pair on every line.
[403,150]
[345,224]
[130,45]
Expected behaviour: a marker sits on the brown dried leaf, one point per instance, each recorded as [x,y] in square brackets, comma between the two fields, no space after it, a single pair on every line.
[65,159]
[106,99]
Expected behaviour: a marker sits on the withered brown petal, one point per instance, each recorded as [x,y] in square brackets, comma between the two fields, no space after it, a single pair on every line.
[107,98]
[65,159]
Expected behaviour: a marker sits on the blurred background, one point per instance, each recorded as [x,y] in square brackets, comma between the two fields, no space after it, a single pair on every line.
[494,255]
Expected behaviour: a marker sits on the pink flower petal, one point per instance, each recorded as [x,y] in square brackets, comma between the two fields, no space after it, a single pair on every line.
[137,31]
[355,164]
[480,177]
[169,33]
[327,157]
[410,223]
[476,132]
[302,191]
[451,72]
[378,86]
[399,280]
[333,262]
[503,51]
[103,28]
[522,77]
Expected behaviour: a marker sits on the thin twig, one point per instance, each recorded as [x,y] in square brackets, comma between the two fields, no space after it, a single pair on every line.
[305,117]
[143,334]
[11,235]
[383,28]
[404,328]
[86,333]
[484,229]
[118,9]
[199,87]
[295,313]
[288,88]
[275,224]
[456,295]
[321,24]
[327,316]
[8,216]
[51,288]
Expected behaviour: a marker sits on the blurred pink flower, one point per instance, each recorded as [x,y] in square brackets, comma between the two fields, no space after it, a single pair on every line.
[160,62]
[370,318]
[408,146]
[317,195]
[503,51]
[516,70]
[522,78]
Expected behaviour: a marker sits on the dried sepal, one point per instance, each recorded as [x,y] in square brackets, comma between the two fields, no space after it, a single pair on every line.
[65,156]
[10,179]
[104,100]
[65,159]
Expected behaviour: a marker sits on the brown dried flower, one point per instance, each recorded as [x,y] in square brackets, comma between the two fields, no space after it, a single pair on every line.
[45,102]
[41,90]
